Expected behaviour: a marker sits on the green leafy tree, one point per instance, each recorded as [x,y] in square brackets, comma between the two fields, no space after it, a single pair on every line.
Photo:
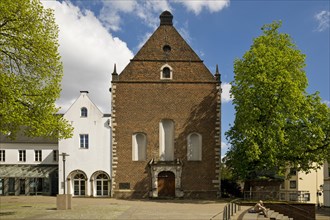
[30,71]
[277,123]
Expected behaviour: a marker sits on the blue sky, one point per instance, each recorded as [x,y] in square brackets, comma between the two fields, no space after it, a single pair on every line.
[96,34]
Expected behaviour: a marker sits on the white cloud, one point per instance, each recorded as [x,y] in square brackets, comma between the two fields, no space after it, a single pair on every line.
[147,11]
[184,32]
[109,13]
[225,95]
[224,149]
[112,12]
[88,54]
[327,102]
[323,19]
[211,5]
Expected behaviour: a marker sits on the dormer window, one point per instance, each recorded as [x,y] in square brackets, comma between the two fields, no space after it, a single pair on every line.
[83,112]
[166,72]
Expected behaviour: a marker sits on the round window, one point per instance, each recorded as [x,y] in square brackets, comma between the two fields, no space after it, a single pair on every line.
[167,48]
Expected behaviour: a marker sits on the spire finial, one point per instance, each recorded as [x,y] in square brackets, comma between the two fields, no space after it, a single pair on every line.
[217,74]
[114,70]
[114,74]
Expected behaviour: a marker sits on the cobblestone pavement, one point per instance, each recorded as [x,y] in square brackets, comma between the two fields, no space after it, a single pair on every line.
[44,207]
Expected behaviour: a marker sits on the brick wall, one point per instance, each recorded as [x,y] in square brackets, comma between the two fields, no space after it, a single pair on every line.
[141,99]
[139,107]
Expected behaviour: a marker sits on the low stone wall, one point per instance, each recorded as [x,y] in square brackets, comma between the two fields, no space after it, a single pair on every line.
[301,211]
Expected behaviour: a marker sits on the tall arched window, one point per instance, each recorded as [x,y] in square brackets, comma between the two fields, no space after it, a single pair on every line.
[139,147]
[83,112]
[166,140]
[194,148]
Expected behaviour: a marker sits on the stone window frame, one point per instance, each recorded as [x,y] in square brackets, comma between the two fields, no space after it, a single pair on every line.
[200,146]
[135,151]
[166,151]
[162,72]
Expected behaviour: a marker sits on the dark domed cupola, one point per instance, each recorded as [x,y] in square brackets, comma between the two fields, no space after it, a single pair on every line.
[166,18]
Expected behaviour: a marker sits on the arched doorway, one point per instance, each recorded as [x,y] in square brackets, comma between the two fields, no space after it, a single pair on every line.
[79,184]
[166,184]
[102,185]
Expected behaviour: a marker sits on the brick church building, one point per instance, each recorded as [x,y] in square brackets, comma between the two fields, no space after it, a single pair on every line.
[166,121]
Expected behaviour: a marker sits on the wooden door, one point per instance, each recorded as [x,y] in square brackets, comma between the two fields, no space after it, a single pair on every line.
[166,184]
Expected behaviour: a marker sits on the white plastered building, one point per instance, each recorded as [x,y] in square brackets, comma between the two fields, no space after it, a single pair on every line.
[326,185]
[88,160]
[303,187]
[28,166]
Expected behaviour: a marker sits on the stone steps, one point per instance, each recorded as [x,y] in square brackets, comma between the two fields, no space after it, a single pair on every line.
[243,214]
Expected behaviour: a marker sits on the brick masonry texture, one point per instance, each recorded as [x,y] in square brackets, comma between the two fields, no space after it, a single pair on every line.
[140,100]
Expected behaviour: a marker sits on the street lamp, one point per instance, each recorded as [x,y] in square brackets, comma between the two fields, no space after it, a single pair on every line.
[63,159]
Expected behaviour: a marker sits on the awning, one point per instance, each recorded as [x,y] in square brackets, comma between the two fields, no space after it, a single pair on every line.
[23,171]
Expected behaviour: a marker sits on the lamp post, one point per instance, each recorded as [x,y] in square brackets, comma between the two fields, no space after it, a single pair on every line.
[63,159]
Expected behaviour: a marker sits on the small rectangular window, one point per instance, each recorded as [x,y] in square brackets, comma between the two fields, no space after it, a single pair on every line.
[124,185]
[307,197]
[293,184]
[83,112]
[2,156]
[22,155]
[293,172]
[293,197]
[55,155]
[84,141]
[37,155]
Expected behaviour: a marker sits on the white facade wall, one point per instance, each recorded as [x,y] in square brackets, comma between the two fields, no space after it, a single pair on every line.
[92,161]
[311,182]
[29,177]
[12,155]
[326,185]
[306,182]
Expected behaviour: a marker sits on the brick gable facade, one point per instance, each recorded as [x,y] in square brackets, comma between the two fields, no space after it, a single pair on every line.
[142,99]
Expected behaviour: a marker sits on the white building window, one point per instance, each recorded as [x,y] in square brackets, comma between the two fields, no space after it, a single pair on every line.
[102,185]
[166,72]
[293,184]
[37,155]
[166,140]
[55,155]
[2,155]
[22,155]
[139,147]
[194,147]
[84,141]
[79,184]
[83,112]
